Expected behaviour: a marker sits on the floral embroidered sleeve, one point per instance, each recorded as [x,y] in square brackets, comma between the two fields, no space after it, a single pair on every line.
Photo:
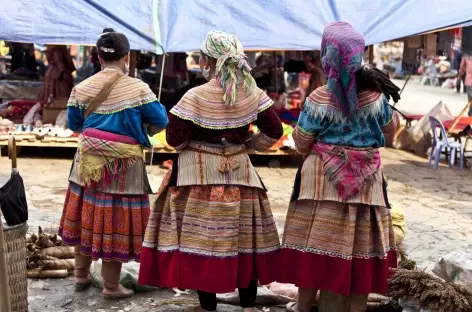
[306,130]
[270,129]
[178,132]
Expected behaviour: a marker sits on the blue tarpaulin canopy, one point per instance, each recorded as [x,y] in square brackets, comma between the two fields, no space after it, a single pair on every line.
[298,24]
[260,24]
[80,21]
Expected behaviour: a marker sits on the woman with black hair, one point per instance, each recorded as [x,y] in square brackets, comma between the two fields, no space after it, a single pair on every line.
[338,235]
[107,204]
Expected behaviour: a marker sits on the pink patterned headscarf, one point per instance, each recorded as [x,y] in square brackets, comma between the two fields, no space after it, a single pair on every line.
[342,49]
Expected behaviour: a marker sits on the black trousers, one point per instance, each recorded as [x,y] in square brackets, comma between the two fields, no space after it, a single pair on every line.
[247,297]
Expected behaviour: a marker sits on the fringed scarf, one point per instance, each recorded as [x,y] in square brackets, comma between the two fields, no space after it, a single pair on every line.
[232,69]
[104,155]
[348,168]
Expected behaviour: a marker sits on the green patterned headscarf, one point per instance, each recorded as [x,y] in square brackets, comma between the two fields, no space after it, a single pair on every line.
[232,70]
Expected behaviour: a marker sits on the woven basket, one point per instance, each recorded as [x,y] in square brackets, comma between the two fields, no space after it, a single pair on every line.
[15,243]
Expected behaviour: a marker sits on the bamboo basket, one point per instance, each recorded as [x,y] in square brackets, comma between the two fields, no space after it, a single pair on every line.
[13,258]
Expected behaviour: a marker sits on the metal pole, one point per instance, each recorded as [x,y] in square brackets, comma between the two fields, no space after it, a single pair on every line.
[159,96]
[162,76]
[371,54]
[276,74]
[132,64]
[406,82]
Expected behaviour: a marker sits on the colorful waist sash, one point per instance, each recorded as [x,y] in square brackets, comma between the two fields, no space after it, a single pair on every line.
[103,155]
[348,168]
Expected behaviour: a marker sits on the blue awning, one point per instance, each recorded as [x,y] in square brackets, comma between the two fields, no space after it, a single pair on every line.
[80,21]
[299,24]
[181,25]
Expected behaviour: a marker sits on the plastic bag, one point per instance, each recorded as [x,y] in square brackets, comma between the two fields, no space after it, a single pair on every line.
[128,276]
[411,306]
[32,115]
[61,120]
[455,267]
[399,224]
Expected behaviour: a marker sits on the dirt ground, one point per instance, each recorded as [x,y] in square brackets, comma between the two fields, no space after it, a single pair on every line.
[436,203]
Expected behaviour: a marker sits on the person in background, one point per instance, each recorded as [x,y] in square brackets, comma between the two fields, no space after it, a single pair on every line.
[465,71]
[338,235]
[96,66]
[262,70]
[90,67]
[107,203]
[317,76]
[58,80]
[211,228]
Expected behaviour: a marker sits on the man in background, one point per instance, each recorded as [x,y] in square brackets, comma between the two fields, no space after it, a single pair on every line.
[466,70]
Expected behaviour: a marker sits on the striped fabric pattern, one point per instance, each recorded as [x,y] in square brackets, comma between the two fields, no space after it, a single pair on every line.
[340,230]
[342,248]
[106,226]
[201,168]
[303,140]
[128,93]
[320,105]
[132,181]
[204,106]
[262,142]
[315,185]
[391,127]
[215,221]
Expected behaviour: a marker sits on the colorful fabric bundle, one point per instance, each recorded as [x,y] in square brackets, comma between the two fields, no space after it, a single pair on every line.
[348,168]
[104,155]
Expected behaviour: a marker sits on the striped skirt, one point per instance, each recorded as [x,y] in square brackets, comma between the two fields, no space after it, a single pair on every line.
[106,226]
[213,238]
[342,248]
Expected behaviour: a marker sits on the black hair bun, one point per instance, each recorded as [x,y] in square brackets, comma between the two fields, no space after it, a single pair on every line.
[108,30]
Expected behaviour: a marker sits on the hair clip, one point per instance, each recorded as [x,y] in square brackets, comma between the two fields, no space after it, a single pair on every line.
[107,50]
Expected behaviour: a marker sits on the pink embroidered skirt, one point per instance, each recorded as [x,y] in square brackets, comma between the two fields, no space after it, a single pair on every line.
[106,226]
[343,247]
[107,220]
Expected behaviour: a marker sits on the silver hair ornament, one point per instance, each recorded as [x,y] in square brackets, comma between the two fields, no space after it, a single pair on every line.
[107,50]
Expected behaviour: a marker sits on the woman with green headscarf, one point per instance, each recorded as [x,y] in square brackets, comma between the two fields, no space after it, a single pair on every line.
[211,228]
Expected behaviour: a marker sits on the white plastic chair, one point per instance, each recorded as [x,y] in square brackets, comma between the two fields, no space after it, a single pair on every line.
[440,142]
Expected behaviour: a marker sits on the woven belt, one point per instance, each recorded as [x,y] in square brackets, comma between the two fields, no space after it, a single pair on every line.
[227,162]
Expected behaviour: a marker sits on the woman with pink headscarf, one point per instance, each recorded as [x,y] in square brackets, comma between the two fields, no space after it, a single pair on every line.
[338,234]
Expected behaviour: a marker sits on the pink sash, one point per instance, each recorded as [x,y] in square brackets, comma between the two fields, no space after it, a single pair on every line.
[348,168]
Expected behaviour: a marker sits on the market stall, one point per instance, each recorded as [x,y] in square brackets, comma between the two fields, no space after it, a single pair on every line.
[169,26]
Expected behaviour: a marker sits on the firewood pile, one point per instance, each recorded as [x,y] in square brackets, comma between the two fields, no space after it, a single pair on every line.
[47,257]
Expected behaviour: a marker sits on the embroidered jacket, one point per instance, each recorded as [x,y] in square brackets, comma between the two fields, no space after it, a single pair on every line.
[130,105]
[321,120]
